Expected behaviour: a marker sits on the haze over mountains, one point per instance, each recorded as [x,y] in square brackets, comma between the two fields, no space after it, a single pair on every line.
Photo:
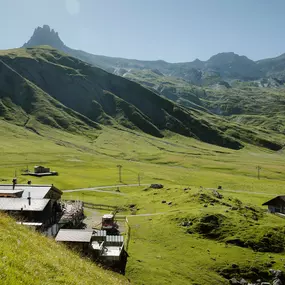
[223,66]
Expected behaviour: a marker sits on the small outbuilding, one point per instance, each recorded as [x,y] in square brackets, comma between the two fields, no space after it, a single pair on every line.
[276,205]
[41,169]
[76,239]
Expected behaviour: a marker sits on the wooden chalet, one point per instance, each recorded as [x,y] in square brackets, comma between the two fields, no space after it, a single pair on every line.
[32,205]
[276,205]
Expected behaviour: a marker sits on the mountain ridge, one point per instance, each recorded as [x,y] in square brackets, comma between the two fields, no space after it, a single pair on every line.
[82,96]
[64,92]
[223,66]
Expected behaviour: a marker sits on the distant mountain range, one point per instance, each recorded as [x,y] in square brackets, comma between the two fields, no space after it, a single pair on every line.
[223,66]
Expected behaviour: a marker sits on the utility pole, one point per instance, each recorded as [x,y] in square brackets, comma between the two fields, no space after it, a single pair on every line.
[120,172]
[139,179]
[258,171]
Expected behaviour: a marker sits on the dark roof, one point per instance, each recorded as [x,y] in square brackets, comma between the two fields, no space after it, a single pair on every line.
[275,200]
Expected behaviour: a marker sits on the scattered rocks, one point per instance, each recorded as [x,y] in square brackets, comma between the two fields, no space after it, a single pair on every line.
[217,194]
[220,187]
[234,208]
[169,203]
[205,205]
[186,224]
[163,201]
[234,281]
[278,279]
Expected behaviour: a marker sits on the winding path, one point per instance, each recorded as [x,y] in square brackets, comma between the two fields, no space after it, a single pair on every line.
[243,191]
[100,189]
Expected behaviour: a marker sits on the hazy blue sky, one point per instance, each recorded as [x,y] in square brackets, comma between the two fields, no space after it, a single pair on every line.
[173,30]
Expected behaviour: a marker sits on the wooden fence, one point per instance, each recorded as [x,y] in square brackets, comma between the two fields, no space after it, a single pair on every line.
[128,234]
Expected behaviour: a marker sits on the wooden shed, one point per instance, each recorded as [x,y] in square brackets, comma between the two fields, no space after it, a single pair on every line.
[41,169]
[78,240]
[276,205]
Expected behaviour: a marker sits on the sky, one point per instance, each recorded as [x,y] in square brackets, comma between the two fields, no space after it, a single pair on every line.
[171,30]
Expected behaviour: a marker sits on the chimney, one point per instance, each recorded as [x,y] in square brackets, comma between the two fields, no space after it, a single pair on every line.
[14,182]
[29,198]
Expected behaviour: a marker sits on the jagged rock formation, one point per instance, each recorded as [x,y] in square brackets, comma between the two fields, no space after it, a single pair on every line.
[45,36]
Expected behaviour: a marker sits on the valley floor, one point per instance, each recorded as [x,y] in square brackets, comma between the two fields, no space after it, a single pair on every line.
[161,250]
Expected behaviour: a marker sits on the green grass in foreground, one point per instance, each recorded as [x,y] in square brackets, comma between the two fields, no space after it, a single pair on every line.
[161,250]
[29,258]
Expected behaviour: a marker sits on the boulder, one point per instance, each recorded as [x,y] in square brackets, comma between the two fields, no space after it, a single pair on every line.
[156,186]
[217,194]
[234,281]
[277,281]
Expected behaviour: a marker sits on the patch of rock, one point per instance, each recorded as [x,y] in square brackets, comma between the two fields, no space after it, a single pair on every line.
[278,278]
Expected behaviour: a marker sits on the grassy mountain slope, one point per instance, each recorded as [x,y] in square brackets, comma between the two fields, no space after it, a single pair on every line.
[95,94]
[256,112]
[29,258]
[23,102]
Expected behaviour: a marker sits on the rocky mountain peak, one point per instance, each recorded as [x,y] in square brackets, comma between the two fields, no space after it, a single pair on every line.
[45,36]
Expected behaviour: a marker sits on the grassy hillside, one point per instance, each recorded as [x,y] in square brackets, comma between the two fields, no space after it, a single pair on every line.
[29,258]
[46,86]
[257,113]
[218,238]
